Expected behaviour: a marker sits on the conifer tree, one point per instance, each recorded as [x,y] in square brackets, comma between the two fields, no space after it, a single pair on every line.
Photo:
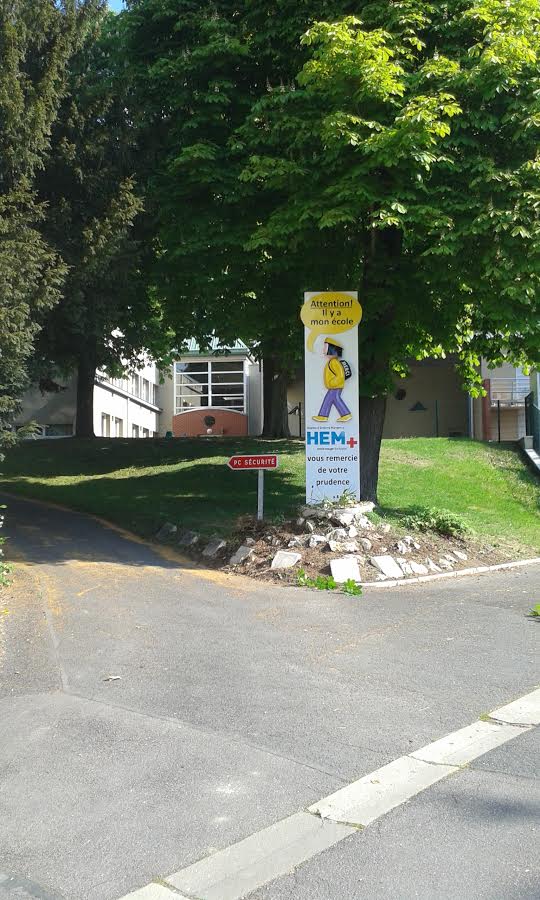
[37,41]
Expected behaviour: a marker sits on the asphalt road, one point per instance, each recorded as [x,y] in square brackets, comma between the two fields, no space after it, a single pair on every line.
[150,714]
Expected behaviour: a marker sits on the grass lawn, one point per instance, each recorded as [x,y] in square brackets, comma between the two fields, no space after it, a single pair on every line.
[141,483]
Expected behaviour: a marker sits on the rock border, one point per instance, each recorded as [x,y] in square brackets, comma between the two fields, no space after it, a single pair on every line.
[477,570]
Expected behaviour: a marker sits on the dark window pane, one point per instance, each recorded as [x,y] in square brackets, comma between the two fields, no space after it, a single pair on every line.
[227,377]
[191,367]
[230,365]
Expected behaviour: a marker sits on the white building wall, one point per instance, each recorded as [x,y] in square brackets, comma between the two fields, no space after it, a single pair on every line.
[119,412]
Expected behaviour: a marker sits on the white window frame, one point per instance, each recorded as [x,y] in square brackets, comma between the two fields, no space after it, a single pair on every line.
[210,387]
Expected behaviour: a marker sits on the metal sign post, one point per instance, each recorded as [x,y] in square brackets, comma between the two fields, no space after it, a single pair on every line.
[260,494]
[258,464]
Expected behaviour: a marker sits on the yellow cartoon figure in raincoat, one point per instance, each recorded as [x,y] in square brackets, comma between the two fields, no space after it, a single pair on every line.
[336,372]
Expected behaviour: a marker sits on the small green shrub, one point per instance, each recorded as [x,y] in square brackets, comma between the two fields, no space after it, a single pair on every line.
[351,587]
[440,520]
[535,611]
[326,583]
[320,583]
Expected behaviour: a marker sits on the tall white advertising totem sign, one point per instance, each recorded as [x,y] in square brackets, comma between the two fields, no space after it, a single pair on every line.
[331,322]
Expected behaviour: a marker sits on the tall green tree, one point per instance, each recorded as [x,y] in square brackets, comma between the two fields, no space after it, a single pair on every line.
[197,71]
[392,149]
[37,40]
[412,134]
[106,317]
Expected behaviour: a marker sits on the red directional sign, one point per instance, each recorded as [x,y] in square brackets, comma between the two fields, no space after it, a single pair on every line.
[253,462]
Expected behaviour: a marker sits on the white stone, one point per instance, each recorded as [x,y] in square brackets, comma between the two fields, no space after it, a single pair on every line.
[385,528]
[188,539]
[405,566]
[343,546]
[433,567]
[402,547]
[445,564]
[250,542]
[166,531]
[363,522]
[285,559]
[418,568]
[314,512]
[243,553]
[346,519]
[344,569]
[337,534]
[310,526]
[460,555]
[350,547]
[214,547]
[353,532]
[410,541]
[366,544]
[300,522]
[387,565]
[316,540]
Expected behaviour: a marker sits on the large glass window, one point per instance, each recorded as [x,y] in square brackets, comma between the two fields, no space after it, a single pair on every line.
[201,384]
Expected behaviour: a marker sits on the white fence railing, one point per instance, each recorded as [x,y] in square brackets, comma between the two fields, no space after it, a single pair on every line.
[509,391]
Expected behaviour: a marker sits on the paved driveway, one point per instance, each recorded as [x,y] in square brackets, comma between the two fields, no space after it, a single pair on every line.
[151,714]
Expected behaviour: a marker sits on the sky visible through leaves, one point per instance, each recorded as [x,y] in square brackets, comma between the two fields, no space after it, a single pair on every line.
[116,5]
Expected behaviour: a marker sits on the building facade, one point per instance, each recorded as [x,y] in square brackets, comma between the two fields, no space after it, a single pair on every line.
[219,392]
[123,407]
[212,392]
[431,402]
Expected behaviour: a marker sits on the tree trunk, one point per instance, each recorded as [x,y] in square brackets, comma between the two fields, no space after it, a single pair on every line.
[372,412]
[86,373]
[276,414]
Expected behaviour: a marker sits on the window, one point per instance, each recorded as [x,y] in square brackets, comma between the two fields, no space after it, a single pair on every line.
[145,433]
[118,427]
[105,425]
[135,431]
[145,389]
[136,385]
[201,384]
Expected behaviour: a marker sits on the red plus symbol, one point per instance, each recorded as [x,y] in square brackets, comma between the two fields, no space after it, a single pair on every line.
[352,443]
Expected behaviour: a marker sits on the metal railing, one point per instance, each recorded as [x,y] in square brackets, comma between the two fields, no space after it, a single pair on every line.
[509,391]
[532,421]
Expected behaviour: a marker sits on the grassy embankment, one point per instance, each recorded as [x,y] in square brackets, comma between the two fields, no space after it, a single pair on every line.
[140,484]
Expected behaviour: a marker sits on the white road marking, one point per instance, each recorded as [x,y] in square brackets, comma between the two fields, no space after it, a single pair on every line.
[243,867]
[525,711]
[468,743]
[363,801]
[154,892]
[236,871]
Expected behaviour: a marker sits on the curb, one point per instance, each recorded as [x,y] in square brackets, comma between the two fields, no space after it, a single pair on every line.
[477,570]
